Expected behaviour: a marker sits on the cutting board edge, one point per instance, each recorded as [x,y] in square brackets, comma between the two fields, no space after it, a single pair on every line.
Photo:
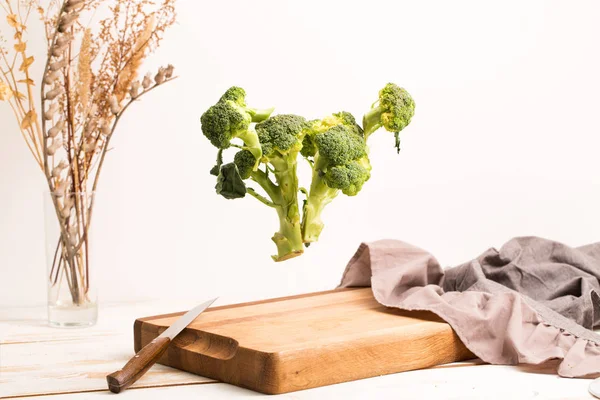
[278,373]
[252,303]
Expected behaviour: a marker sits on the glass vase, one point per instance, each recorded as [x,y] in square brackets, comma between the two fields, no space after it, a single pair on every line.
[72,295]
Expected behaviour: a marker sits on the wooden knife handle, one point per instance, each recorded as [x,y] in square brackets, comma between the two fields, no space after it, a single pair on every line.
[138,365]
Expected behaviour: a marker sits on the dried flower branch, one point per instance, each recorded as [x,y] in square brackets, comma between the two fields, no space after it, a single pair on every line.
[89,80]
[5,91]
[84,71]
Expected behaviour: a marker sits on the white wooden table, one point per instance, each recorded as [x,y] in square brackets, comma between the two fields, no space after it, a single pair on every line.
[56,364]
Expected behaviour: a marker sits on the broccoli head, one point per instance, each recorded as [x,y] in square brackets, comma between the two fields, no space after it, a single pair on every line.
[349,178]
[309,148]
[318,126]
[235,94]
[341,118]
[230,119]
[392,111]
[223,122]
[281,134]
[244,160]
[341,162]
[348,120]
[339,145]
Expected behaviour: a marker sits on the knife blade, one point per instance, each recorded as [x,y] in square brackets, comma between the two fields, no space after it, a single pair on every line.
[151,353]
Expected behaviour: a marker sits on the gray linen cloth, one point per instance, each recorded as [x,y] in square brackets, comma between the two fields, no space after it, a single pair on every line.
[532,301]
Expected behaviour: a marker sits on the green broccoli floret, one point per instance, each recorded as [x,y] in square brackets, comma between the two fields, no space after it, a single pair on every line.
[340,163]
[349,178]
[238,95]
[235,94]
[393,111]
[244,160]
[223,122]
[309,148]
[348,120]
[317,126]
[230,119]
[281,134]
[339,145]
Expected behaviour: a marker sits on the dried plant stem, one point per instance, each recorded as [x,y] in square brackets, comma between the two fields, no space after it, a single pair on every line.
[32,147]
[30,97]
[89,80]
[58,271]
[34,135]
[72,254]
[20,112]
[55,259]
[43,104]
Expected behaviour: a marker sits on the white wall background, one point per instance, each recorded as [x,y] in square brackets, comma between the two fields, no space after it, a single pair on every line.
[504,142]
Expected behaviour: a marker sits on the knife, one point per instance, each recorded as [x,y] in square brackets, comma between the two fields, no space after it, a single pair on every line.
[149,354]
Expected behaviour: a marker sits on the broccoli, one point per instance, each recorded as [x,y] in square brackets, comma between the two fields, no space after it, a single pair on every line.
[244,160]
[334,146]
[230,119]
[393,111]
[237,95]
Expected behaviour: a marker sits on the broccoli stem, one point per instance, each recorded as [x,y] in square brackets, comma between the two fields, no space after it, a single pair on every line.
[260,197]
[289,238]
[319,196]
[268,186]
[372,121]
[259,115]
[252,143]
[285,201]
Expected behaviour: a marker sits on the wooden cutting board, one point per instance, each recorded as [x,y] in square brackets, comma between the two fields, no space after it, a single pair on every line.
[300,342]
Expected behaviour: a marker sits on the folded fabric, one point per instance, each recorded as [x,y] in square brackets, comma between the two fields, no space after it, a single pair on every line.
[532,301]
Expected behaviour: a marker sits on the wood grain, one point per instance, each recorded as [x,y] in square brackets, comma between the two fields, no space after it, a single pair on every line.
[36,359]
[300,342]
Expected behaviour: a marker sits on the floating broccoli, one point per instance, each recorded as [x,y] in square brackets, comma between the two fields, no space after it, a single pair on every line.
[335,147]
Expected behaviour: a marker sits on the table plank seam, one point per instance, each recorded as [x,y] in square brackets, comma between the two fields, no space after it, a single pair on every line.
[106,390]
[6,343]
